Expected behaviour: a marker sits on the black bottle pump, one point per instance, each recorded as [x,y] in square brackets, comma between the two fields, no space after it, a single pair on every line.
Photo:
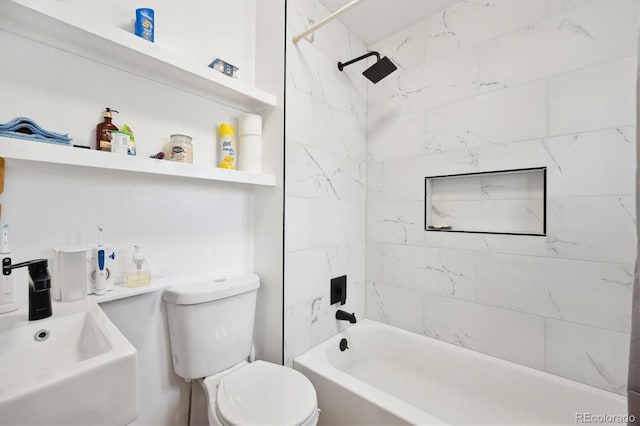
[39,286]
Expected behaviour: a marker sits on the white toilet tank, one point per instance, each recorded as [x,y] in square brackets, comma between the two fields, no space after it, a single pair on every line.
[211,324]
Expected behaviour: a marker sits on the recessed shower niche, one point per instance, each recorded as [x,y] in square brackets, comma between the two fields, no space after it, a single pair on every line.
[494,202]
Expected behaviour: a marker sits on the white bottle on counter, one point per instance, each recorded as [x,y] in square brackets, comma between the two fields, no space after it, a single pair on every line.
[6,281]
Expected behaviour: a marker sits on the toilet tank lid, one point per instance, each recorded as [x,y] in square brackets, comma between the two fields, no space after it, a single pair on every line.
[210,290]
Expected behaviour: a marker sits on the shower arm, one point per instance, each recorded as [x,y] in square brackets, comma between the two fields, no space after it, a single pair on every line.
[359,58]
[326,20]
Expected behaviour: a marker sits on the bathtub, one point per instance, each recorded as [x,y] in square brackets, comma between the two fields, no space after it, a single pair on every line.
[392,376]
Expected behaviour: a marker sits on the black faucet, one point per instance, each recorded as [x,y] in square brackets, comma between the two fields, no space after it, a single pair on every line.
[39,286]
[345,316]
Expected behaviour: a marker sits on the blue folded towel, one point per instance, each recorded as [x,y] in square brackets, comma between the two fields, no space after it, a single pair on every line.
[37,138]
[26,128]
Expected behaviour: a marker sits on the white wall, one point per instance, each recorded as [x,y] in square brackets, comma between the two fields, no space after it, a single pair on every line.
[504,84]
[268,202]
[325,177]
[190,228]
[197,29]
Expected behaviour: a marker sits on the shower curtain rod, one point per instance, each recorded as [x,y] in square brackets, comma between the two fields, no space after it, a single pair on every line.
[326,20]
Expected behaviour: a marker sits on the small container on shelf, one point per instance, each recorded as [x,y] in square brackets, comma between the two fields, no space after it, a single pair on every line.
[144,27]
[131,149]
[250,149]
[224,67]
[228,148]
[181,149]
[104,129]
[119,142]
[139,273]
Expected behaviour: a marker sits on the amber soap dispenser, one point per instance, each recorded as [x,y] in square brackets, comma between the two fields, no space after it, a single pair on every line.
[104,129]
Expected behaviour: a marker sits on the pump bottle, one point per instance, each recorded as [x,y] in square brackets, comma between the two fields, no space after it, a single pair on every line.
[139,273]
[103,131]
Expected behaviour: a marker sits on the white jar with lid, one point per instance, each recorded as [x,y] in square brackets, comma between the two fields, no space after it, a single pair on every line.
[181,149]
[119,142]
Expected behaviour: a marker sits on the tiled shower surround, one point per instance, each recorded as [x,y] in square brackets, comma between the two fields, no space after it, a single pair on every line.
[325,174]
[508,84]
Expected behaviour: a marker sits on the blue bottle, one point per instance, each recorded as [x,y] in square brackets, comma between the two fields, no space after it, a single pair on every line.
[144,23]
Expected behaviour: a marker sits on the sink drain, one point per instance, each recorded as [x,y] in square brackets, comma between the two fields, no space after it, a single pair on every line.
[41,335]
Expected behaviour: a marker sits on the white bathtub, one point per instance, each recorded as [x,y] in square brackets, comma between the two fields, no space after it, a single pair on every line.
[391,376]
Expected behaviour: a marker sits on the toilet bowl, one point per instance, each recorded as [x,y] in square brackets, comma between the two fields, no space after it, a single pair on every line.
[260,393]
[211,330]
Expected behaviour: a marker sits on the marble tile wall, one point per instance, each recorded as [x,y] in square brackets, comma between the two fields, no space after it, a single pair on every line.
[506,84]
[325,177]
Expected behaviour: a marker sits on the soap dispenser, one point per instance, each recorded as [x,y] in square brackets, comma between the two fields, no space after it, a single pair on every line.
[103,130]
[138,273]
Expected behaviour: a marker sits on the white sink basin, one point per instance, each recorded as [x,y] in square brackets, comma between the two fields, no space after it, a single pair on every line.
[80,371]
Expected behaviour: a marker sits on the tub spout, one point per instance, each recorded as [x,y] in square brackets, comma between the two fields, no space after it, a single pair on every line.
[345,316]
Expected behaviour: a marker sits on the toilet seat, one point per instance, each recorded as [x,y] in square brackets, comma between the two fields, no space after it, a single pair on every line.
[263,393]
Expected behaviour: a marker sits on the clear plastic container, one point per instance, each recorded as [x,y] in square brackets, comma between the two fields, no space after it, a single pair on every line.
[181,149]
[139,273]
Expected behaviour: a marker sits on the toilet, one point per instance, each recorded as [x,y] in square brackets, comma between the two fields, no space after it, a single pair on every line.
[211,331]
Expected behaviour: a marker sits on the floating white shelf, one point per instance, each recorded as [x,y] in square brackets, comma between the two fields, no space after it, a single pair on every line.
[121,292]
[61,27]
[18,149]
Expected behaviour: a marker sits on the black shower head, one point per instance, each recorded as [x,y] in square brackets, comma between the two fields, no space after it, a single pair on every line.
[379,70]
[376,72]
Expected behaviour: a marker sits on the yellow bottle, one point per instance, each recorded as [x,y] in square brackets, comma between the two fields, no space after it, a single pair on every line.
[228,148]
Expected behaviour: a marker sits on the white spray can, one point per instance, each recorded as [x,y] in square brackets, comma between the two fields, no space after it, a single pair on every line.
[228,148]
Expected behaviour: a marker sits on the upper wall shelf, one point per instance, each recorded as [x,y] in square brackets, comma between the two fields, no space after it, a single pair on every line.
[18,149]
[61,27]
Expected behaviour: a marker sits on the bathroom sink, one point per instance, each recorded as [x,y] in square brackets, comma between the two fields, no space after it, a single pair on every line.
[74,368]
